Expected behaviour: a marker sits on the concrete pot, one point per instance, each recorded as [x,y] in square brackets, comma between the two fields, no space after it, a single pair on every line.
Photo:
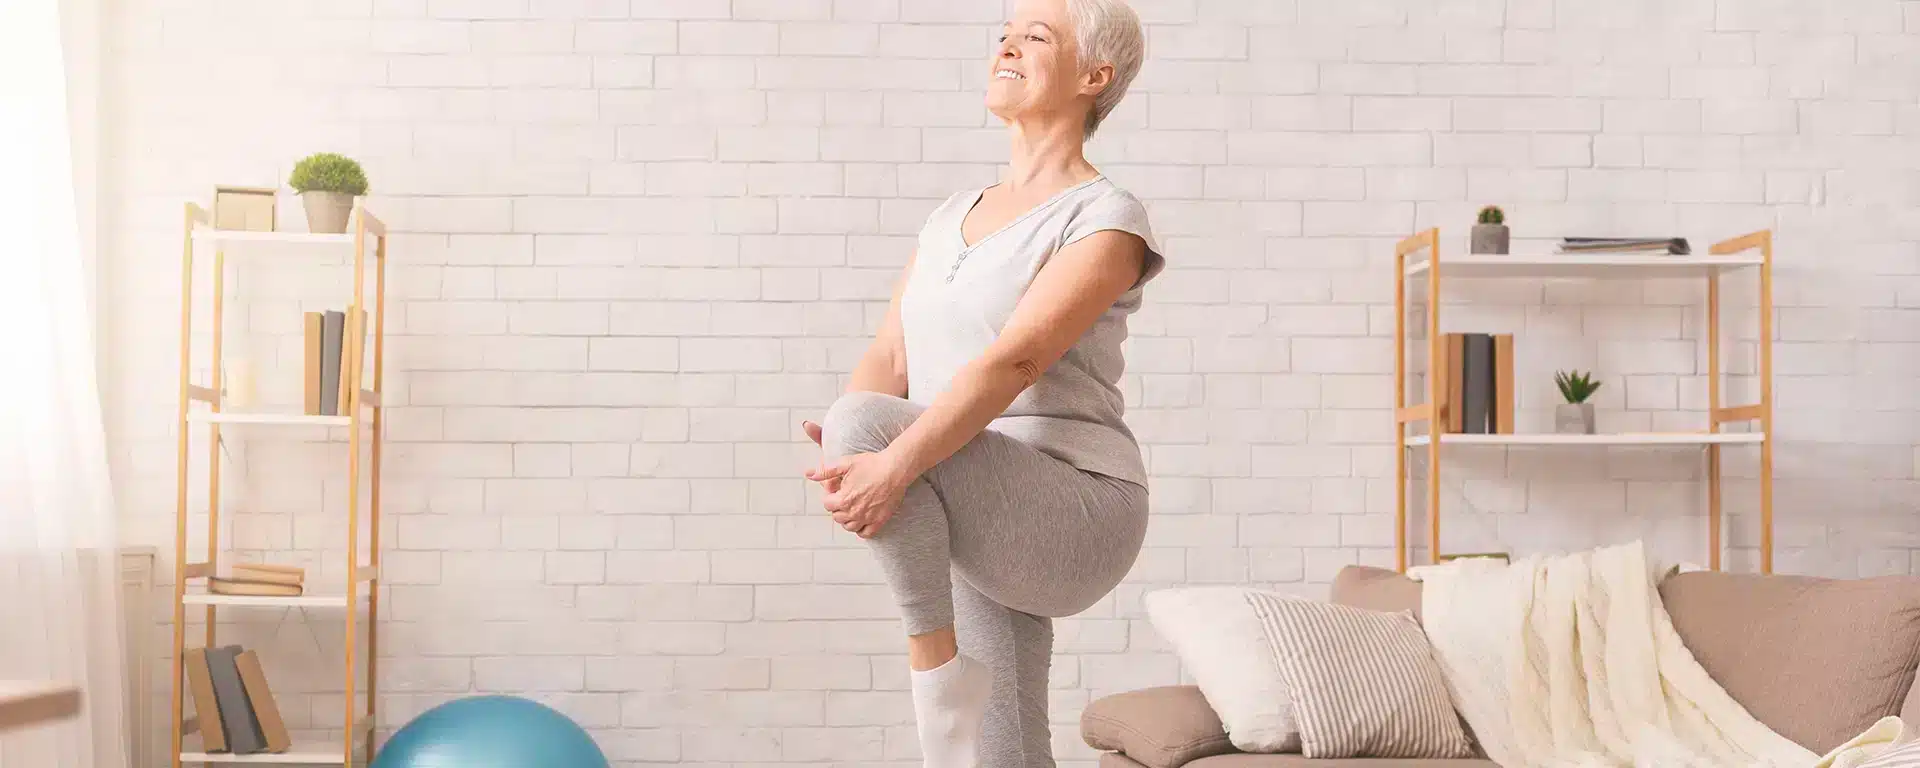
[327,212]
[1573,418]
[1490,238]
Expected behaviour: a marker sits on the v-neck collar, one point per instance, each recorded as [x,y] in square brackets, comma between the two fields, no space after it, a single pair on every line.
[960,227]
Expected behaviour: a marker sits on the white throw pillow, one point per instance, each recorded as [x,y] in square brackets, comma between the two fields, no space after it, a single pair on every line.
[1224,645]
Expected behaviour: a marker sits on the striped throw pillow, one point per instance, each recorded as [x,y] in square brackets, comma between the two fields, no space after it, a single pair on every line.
[1363,683]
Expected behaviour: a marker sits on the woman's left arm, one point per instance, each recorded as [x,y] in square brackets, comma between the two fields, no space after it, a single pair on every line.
[1077,285]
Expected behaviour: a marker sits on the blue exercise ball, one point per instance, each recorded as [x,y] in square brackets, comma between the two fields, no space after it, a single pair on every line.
[490,732]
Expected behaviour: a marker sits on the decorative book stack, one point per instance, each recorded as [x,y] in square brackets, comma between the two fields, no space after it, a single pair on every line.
[1670,245]
[233,707]
[331,336]
[260,579]
[1477,378]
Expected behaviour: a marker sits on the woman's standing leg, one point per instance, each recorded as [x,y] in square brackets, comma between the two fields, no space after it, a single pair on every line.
[1018,648]
[949,690]
[1030,534]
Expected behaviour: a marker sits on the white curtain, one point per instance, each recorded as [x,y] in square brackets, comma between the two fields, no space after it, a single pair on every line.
[59,579]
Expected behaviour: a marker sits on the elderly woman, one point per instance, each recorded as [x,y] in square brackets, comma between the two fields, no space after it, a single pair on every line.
[980,448]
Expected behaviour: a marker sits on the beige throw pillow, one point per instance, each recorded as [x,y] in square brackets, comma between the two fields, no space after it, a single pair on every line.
[1363,683]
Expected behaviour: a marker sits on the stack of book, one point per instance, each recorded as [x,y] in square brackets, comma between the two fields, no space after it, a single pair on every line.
[233,708]
[260,579]
[1672,245]
[1476,380]
[332,337]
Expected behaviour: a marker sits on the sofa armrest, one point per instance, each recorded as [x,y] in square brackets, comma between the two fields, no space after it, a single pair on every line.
[1162,727]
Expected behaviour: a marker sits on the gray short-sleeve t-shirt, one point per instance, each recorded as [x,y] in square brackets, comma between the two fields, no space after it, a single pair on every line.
[959,297]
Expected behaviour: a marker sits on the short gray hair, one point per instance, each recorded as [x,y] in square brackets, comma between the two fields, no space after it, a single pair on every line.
[1108,31]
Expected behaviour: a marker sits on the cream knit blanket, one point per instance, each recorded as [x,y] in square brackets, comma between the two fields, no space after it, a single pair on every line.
[1572,661]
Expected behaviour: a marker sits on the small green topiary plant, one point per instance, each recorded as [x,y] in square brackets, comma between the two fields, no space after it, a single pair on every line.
[1576,386]
[1492,215]
[328,172]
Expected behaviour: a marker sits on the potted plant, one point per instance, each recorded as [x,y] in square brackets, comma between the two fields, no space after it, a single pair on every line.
[1490,235]
[327,184]
[1575,416]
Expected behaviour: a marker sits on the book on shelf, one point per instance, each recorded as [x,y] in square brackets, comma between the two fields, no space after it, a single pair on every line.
[1670,245]
[234,708]
[268,573]
[1476,384]
[223,586]
[334,338]
[259,580]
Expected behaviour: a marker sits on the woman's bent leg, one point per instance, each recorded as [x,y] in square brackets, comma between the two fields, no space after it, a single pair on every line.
[913,546]
[1018,648]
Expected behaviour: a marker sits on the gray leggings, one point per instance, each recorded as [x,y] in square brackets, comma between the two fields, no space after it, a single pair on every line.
[1030,537]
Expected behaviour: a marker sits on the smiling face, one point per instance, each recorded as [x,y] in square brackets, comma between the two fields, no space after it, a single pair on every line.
[1035,67]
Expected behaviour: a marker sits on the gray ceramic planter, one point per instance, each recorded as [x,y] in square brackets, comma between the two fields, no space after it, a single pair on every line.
[1490,238]
[327,212]
[1573,419]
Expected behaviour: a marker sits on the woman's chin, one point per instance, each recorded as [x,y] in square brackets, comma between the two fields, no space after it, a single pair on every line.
[1004,106]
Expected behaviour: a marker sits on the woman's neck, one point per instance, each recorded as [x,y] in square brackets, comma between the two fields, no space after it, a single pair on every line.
[1046,155]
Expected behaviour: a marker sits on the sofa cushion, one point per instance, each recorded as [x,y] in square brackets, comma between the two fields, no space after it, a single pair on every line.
[1296,761]
[1161,727]
[1817,660]
[1112,760]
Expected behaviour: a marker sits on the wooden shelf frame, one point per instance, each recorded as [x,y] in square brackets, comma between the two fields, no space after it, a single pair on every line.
[364,429]
[1753,250]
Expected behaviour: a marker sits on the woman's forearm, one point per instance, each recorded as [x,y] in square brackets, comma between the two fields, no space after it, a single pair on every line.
[978,395]
[878,371]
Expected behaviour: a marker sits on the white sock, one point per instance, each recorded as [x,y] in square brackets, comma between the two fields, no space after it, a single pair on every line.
[948,703]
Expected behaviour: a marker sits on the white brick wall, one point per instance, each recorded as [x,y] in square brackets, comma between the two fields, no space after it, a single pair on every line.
[637,241]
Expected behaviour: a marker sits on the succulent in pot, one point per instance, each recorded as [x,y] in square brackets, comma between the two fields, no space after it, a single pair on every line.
[1490,235]
[1575,416]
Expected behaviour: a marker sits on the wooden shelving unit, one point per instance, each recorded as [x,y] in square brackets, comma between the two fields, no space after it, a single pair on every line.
[1752,251]
[201,407]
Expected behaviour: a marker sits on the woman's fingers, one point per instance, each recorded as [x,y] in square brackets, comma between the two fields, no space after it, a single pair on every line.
[812,430]
[829,471]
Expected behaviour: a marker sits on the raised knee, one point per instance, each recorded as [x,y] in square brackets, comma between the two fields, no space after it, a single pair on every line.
[864,422]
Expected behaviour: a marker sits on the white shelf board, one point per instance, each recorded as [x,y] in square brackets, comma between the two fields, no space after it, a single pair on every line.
[295,601]
[210,235]
[315,753]
[268,417]
[1623,438]
[1638,265]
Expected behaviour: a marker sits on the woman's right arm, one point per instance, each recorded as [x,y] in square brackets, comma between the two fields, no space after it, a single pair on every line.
[883,367]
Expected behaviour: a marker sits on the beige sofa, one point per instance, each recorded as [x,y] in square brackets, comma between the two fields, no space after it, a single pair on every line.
[1817,660]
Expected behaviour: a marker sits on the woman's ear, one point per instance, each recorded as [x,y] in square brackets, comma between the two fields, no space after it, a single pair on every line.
[1097,80]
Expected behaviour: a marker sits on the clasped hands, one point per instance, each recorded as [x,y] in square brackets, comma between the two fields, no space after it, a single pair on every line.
[863,490]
